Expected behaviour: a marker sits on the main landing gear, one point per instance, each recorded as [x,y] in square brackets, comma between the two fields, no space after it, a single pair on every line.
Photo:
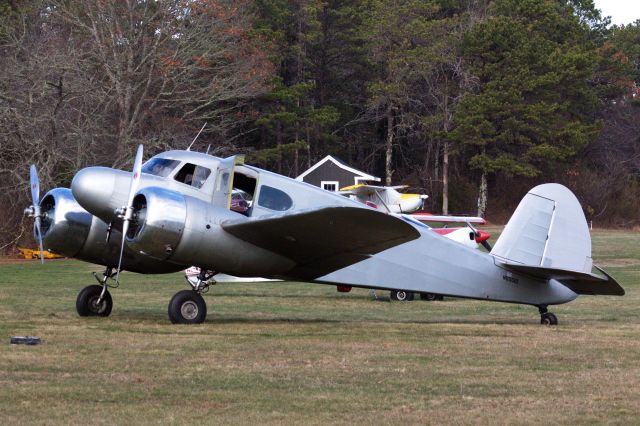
[185,307]
[188,306]
[95,300]
[546,317]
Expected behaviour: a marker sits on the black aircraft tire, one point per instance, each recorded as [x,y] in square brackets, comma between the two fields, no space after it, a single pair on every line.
[187,307]
[401,295]
[86,302]
[548,319]
[431,297]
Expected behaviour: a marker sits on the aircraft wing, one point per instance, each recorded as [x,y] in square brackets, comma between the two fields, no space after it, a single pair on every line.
[364,190]
[578,282]
[426,217]
[323,240]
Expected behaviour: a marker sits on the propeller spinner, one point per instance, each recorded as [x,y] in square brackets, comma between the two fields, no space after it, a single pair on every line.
[481,237]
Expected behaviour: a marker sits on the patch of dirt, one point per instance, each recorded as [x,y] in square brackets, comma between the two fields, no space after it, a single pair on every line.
[4,260]
[8,260]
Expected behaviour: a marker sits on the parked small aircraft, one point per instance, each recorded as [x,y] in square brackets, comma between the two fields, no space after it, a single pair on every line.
[386,198]
[175,211]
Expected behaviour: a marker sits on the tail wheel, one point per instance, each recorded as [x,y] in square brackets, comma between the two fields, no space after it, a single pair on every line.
[88,303]
[401,295]
[548,318]
[187,307]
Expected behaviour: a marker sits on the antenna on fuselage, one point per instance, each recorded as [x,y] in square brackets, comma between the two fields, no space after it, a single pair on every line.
[194,139]
[208,148]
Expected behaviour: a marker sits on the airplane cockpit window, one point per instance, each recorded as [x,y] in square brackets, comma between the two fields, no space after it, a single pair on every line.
[193,175]
[159,166]
[274,199]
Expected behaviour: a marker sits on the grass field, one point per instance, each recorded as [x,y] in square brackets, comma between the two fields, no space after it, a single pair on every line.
[284,353]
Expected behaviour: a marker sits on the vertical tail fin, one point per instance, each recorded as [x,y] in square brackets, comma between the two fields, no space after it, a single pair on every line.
[548,229]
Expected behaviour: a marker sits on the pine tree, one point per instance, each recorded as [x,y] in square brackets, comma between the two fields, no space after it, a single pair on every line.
[535,105]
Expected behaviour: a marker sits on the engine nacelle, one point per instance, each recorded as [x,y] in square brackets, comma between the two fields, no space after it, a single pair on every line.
[158,222]
[68,229]
[65,224]
[177,228]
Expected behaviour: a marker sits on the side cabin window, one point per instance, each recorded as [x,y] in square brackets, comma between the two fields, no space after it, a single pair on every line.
[160,166]
[274,199]
[193,175]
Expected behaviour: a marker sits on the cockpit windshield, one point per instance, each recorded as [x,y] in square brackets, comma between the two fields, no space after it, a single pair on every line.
[159,166]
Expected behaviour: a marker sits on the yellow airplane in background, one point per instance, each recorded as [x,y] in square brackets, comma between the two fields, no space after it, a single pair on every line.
[385,197]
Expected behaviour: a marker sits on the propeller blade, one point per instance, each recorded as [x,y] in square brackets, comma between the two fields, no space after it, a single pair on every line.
[125,228]
[135,180]
[34,183]
[39,235]
[128,212]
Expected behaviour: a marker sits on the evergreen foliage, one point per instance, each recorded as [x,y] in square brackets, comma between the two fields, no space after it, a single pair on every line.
[454,98]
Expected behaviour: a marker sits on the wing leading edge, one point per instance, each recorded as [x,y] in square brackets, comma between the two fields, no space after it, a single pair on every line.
[324,240]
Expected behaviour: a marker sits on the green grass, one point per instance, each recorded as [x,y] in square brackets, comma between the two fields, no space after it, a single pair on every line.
[273,353]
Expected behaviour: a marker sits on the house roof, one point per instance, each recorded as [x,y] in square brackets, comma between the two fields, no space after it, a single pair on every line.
[340,164]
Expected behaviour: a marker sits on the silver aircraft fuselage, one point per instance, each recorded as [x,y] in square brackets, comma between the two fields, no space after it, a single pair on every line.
[184,223]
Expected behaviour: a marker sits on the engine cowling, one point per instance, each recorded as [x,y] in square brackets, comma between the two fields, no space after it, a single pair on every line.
[68,229]
[172,227]
[158,222]
[65,224]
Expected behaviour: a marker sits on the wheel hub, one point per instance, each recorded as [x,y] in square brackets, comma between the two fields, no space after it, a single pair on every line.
[189,310]
[95,306]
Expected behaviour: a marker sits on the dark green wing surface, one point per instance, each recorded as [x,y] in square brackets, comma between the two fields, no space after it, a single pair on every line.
[323,240]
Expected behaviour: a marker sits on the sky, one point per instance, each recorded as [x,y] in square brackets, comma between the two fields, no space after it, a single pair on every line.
[621,11]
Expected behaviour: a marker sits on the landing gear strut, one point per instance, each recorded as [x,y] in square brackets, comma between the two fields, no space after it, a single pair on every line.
[188,306]
[546,317]
[95,300]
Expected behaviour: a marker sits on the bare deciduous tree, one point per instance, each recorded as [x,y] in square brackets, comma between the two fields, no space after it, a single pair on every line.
[85,82]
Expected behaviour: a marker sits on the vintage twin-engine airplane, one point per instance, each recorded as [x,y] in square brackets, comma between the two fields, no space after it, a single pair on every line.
[175,211]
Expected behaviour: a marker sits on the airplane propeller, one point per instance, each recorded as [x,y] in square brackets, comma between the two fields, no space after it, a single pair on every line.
[126,212]
[34,210]
[480,237]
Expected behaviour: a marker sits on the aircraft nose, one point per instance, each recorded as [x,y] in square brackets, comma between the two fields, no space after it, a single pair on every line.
[101,190]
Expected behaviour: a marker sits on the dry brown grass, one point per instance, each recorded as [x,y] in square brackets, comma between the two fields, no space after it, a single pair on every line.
[299,353]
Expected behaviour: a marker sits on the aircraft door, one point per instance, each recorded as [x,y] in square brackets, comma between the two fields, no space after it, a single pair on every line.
[224,181]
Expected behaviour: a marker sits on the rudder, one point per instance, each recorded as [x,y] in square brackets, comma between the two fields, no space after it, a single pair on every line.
[548,229]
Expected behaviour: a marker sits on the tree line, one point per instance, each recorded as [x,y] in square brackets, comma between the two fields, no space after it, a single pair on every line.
[469,101]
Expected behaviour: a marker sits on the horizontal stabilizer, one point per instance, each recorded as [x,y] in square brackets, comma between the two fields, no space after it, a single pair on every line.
[326,239]
[578,282]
